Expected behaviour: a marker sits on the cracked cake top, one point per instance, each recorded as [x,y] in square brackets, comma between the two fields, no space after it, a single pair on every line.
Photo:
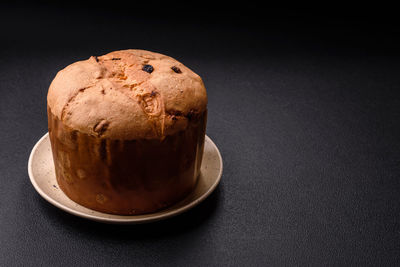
[127,94]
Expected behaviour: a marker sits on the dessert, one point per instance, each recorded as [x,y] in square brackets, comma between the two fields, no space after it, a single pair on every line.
[127,131]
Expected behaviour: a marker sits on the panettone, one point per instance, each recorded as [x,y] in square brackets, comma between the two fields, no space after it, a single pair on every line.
[127,131]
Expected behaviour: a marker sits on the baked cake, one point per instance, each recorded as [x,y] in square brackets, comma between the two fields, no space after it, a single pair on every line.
[127,131]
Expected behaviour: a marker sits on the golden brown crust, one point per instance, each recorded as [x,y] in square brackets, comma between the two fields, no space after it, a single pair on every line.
[111,96]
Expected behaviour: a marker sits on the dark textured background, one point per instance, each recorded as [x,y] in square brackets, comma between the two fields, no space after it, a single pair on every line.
[304,107]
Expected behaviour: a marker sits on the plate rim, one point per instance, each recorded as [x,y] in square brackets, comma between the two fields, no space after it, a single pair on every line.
[130,218]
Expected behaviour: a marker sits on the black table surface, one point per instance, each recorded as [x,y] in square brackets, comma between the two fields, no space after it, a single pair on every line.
[306,119]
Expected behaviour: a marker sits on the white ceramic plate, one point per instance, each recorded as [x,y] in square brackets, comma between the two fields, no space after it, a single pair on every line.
[42,175]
